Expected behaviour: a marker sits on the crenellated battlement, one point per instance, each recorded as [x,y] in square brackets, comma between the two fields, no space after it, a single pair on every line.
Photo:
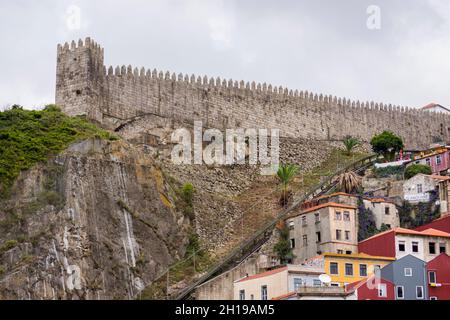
[114,95]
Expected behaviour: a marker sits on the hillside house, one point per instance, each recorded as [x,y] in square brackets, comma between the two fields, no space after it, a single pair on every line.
[329,227]
[424,245]
[438,271]
[384,210]
[344,269]
[403,279]
[277,282]
[421,187]
[437,158]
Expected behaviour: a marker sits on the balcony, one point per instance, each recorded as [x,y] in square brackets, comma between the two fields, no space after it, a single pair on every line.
[322,291]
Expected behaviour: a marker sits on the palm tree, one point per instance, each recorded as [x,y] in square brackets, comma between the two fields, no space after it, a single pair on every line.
[350,143]
[349,182]
[285,174]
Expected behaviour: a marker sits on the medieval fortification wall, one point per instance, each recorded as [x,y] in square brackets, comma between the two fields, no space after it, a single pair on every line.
[116,96]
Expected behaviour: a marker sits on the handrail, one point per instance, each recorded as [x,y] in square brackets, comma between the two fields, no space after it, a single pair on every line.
[257,242]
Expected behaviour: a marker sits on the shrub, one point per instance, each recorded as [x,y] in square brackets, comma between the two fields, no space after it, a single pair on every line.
[350,143]
[187,193]
[8,245]
[30,136]
[396,171]
[415,169]
[283,247]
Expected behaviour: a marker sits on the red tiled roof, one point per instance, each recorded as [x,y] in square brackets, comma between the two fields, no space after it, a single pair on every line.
[430,106]
[443,178]
[353,196]
[444,219]
[433,105]
[263,274]
[427,232]
[336,194]
[287,295]
[355,285]
[329,204]
[435,233]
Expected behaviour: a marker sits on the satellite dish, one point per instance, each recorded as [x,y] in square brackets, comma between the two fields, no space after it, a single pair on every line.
[325,278]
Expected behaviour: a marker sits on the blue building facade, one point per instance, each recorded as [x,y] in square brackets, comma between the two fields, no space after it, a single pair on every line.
[409,276]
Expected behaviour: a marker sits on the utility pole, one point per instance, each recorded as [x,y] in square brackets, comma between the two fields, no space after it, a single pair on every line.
[195,268]
[167,285]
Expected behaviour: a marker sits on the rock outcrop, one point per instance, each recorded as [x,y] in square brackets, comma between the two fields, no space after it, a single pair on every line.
[96,222]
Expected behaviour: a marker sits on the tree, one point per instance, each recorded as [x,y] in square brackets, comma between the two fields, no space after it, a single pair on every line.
[349,182]
[283,247]
[286,174]
[415,169]
[350,143]
[384,227]
[387,144]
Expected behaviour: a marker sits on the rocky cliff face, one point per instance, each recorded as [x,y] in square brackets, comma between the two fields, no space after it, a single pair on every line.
[97,222]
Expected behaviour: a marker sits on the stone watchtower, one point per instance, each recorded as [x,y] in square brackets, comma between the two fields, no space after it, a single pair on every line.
[80,78]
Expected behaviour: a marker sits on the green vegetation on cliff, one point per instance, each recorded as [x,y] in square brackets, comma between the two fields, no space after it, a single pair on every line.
[30,136]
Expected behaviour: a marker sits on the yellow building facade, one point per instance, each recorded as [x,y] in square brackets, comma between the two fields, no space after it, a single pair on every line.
[344,269]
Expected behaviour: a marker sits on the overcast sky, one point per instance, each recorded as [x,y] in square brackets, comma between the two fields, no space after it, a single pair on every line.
[320,46]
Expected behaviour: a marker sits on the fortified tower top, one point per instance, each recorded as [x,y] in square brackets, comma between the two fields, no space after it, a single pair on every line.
[79,78]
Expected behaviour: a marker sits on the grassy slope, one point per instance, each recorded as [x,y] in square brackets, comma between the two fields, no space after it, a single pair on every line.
[28,137]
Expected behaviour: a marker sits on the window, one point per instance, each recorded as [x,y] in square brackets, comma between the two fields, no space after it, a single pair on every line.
[291,225]
[338,216]
[292,243]
[318,237]
[348,252]
[376,269]
[399,292]
[438,159]
[305,240]
[252,297]
[340,251]
[346,216]
[415,247]
[304,223]
[386,210]
[432,277]
[428,161]
[432,247]
[317,283]
[382,290]
[408,272]
[317,217]
[419,292]
[419,188]
[338,234]
[334,284]
[433,298]
[401,246]
[264,293]
[297,283]
[442,248]
[347,235]
[348,269]
[363,270]
[334,268]
[242,295]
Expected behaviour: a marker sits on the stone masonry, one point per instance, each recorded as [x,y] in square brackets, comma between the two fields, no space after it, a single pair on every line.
[115,97]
